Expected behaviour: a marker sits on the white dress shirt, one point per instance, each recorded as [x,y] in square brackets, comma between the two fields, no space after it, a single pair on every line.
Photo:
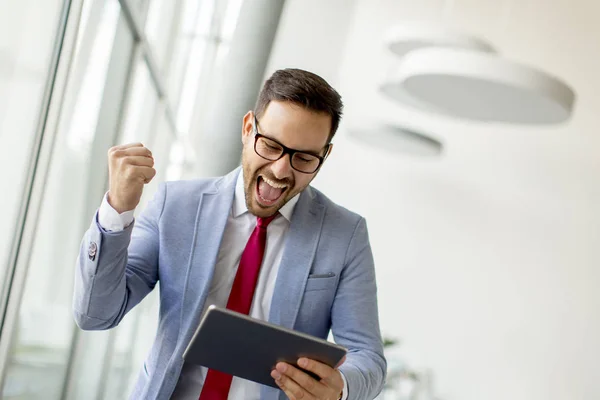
[239,227]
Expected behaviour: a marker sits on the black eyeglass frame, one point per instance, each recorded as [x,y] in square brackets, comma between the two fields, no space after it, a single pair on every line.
[287,150]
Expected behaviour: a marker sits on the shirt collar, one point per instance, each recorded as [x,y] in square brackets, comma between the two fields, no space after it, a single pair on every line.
[239,201]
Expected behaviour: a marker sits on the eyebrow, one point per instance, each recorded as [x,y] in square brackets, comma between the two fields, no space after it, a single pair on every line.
[311,152]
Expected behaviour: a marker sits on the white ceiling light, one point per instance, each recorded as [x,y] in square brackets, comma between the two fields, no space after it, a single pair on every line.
[404,38]
[397,139]
[479,86]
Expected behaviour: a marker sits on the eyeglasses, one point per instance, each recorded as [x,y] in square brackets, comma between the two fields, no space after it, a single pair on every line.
[272,150]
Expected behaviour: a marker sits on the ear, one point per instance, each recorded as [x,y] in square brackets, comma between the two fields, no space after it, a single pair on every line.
[247,123]
[326,156]
[329,150]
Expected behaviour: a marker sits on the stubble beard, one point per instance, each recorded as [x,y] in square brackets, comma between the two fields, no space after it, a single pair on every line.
[250,182]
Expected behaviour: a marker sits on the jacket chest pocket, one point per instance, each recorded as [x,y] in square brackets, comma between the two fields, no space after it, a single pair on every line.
[325,281]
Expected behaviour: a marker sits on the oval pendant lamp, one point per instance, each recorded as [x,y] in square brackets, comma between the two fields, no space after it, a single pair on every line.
[404,38]
[478,86]
[396,139]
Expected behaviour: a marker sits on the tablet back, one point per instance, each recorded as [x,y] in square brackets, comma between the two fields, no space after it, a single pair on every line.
[249,348]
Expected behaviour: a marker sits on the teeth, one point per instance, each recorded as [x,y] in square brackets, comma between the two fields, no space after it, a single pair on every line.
[274,184]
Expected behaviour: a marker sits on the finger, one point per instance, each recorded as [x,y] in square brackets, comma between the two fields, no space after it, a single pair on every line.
[291,388]
[145,174]
[129,151]
[139,161]
[289,394]
[149,173]
[133,151]
[307,382]
[128,145]
[285,390]
[322,370]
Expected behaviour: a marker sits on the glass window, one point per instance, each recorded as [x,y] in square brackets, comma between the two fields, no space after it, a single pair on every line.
[42,340]
[229,23]
[28,31]
[163,140]
[141,107]
[139,7]
[177,158]
[190,44]
[160,28]
[200,47]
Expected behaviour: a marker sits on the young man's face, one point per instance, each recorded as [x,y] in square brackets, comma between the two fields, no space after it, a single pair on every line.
[270,184]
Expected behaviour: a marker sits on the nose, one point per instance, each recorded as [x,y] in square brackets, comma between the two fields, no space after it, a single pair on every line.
[282,168]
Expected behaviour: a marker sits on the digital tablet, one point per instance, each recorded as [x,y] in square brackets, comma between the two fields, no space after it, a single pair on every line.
[249,348]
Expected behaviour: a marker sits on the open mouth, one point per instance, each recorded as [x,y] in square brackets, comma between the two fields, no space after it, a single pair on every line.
[268,192]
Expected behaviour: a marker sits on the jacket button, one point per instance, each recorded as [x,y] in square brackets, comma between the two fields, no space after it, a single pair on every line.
[92,250]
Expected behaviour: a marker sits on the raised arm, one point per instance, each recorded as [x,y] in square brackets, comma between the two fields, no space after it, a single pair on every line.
[117,269]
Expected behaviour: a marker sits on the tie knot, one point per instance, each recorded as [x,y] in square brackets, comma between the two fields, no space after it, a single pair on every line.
[264,222]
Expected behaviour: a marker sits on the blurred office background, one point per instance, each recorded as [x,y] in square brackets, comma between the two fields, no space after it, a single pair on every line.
[487,248]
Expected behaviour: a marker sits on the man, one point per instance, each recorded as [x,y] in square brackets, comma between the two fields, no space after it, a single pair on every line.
[259,240]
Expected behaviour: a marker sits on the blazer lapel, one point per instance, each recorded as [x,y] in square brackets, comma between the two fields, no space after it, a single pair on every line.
[299,252]
[213,210]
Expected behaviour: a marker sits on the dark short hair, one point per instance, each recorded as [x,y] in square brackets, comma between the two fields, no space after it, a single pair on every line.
[303,88]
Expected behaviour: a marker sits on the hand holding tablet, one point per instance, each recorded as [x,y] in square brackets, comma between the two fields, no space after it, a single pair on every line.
[298,385]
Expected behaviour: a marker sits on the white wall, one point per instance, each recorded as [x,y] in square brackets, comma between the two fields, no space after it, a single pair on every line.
[487,257]
[311,36]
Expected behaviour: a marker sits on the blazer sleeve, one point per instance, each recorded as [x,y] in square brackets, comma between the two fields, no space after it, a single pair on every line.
[355,320]
[116,270]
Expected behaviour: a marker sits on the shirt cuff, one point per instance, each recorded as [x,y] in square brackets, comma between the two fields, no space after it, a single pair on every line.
[110,220]
[345,391]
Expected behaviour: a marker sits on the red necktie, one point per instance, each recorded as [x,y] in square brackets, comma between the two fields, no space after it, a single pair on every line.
[217,384]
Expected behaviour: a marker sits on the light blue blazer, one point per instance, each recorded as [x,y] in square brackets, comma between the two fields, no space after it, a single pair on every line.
[326,279]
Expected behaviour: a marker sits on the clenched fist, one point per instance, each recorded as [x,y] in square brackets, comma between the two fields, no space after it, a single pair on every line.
[130,167]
